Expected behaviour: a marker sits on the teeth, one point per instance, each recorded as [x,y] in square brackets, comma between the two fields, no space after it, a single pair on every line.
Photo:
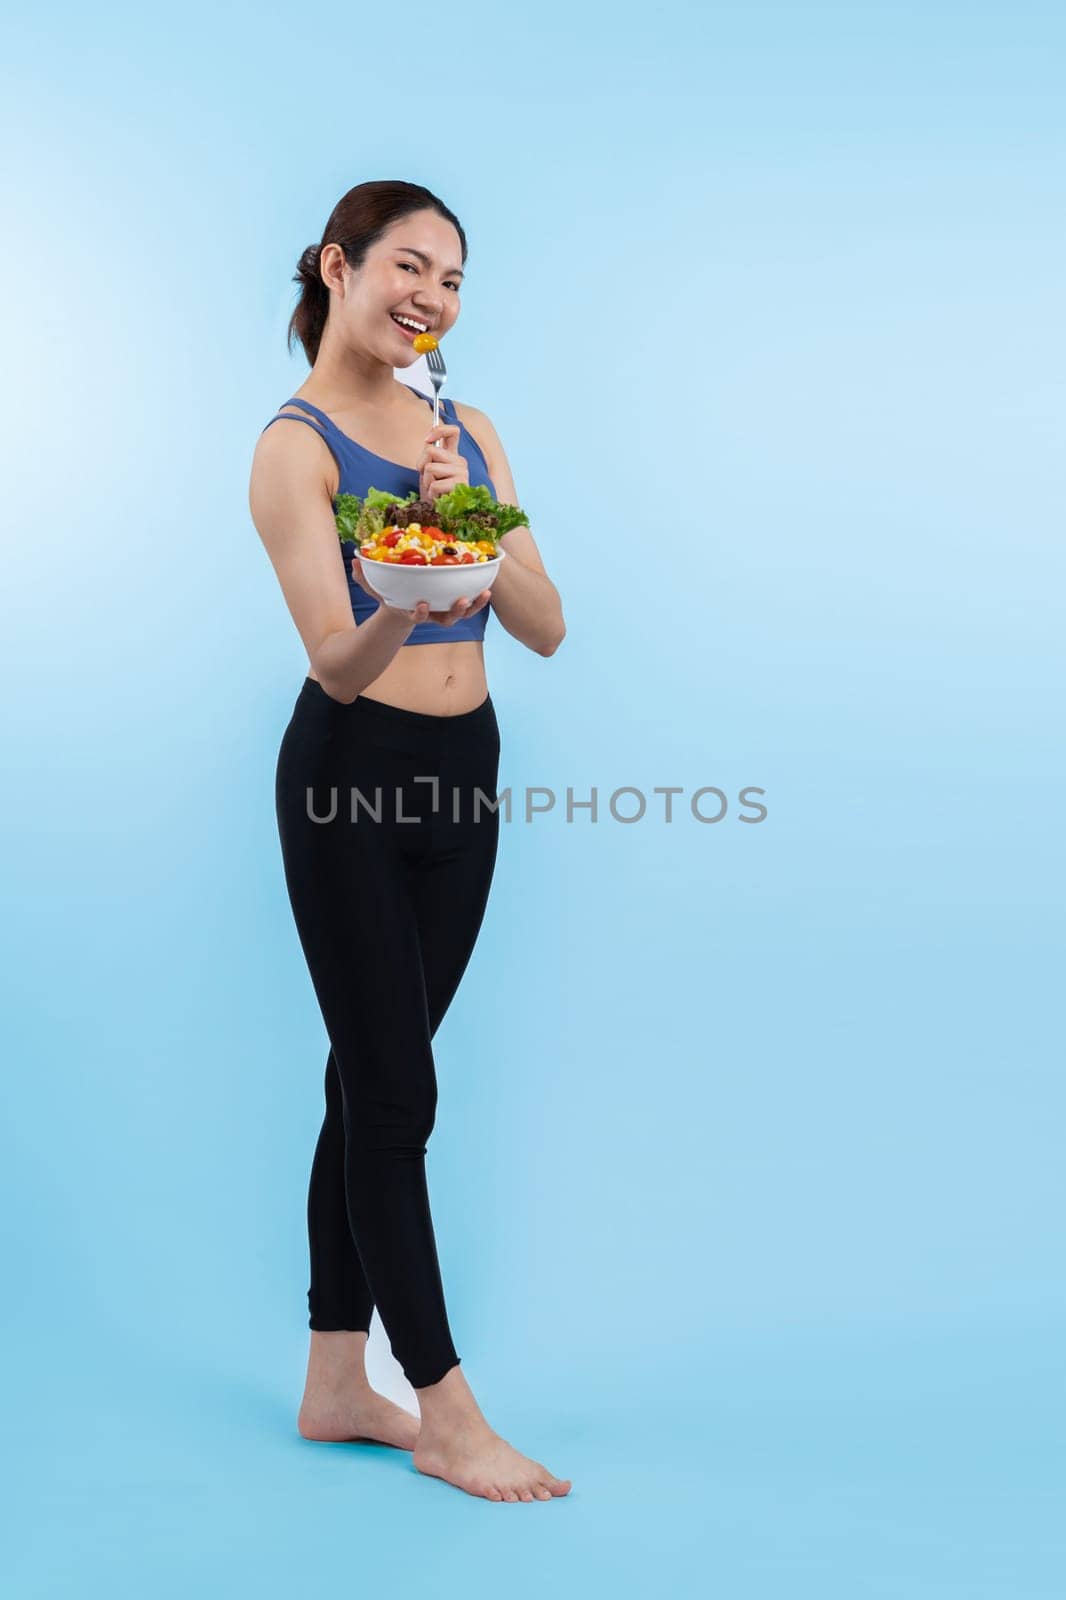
[409,322]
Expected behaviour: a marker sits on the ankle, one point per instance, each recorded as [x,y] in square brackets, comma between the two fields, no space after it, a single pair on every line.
[338,1357]
[449,1403]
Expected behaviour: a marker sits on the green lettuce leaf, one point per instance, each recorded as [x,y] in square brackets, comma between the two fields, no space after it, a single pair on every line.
[466,512]
[358,519]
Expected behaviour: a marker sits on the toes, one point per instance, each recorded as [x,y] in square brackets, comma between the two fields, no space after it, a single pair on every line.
[526,1494]
[493,1494]
[542,1492]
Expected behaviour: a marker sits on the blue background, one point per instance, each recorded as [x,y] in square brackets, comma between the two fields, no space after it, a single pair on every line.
[747,1173]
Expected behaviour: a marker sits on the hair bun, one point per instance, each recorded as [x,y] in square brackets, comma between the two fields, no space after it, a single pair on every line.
[308,265]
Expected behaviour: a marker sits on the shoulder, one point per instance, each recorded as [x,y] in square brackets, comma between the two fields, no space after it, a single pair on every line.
[480,425]
[277,436]
[476,422]
[284,447]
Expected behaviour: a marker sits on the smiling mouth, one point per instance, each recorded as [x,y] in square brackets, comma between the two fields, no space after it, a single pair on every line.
[412,333]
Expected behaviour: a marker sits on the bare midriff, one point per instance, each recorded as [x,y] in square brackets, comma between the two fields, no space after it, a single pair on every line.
[442,680]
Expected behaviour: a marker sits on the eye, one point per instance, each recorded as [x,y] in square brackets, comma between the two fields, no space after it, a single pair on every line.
[451,284]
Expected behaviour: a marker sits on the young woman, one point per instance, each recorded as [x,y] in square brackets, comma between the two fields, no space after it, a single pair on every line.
[388,898]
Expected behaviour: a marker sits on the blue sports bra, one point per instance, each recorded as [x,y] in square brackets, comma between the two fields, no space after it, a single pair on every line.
[360,469]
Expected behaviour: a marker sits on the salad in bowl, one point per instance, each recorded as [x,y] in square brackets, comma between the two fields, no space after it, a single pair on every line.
[442,550]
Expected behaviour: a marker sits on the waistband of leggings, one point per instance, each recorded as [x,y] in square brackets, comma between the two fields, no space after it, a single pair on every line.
[379,710]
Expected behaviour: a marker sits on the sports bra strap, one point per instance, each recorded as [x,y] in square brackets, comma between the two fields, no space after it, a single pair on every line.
[446,405]
[289,416]
[326,426]
[449,415]
[306,405]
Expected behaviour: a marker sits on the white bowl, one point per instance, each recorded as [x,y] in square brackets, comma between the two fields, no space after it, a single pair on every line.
[404,586]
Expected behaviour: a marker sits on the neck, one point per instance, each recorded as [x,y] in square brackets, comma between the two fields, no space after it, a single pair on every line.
[344,377]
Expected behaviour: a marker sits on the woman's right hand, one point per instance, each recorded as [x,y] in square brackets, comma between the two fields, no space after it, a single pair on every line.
[421,612]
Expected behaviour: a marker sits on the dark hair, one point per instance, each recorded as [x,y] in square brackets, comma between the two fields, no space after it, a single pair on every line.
[357,221]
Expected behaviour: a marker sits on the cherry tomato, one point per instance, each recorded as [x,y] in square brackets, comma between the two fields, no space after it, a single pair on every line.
[444,561]
[434,533]
[465,557]
[392,538]
[413,558]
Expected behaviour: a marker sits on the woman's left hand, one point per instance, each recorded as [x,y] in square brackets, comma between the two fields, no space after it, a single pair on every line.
[441,467]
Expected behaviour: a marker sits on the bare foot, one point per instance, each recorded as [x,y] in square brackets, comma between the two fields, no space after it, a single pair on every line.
[355,1412]
[472,1456]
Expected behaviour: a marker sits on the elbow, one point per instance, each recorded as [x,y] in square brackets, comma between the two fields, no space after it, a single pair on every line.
[331,685]
[334,690]
[551,645]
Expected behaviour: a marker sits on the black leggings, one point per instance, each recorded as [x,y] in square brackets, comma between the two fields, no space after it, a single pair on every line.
[388,910]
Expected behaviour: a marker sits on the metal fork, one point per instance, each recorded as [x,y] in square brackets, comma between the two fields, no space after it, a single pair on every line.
[438,372]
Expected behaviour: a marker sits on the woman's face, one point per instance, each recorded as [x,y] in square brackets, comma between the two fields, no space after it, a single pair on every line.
[412,271]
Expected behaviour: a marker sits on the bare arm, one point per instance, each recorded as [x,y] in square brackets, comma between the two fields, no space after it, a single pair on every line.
[522,596]
[292,508]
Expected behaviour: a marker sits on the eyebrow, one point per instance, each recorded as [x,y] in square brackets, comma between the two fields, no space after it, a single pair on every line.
[455,272]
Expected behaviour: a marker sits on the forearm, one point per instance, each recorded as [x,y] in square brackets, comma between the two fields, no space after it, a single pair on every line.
[528,605]
[346,662]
